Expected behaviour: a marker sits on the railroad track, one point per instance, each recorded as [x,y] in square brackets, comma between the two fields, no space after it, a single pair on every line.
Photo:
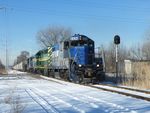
[4,92]
[136,93]
[127,88]
[41,101]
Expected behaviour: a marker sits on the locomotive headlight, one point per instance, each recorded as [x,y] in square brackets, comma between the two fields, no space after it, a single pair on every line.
[97,65]
[80,65]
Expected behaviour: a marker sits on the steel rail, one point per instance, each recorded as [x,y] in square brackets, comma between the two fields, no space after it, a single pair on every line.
[123,93]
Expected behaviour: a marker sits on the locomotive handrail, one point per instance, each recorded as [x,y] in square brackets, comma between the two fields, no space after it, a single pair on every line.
[75,57]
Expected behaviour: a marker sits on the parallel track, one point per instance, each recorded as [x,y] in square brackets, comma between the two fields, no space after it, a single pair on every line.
[121,92]
[43,105]
[125,93]
[127,88]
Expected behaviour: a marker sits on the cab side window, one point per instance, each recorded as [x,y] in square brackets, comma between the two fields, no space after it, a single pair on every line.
[66,45]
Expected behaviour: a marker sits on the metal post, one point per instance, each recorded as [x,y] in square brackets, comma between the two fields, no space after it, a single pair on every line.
[6,44]
[116,63]
[6,65]
[117,42]
[6,58]
[103,57]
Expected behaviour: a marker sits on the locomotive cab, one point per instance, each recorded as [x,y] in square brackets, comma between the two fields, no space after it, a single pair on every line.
[80,49]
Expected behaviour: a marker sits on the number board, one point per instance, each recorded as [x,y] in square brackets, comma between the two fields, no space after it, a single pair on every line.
[74,38]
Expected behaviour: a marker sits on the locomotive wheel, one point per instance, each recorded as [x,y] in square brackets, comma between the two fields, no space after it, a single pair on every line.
[45,72]
[66,75]
[51,73]
[100,76]
[80,77]
[63,74]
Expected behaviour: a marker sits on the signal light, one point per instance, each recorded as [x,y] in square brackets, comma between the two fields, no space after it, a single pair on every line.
[117,39]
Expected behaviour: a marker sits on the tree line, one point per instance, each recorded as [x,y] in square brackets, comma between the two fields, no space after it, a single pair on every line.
[22,57]
[55,34]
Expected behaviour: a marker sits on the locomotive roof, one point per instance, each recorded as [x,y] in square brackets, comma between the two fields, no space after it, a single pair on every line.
[41,51]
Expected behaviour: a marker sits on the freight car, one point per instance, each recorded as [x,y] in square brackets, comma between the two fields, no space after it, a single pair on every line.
[22,66]
[31,64]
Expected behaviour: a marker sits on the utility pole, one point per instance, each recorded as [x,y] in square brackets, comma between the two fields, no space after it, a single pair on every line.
[6,56]
[6,45]
[103,57]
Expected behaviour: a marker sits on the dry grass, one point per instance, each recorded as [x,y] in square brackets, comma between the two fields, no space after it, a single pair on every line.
[2,71]
[141,84]
[141,75]
[15,103]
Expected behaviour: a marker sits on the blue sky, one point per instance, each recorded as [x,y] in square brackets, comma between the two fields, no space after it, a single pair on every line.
[98,19]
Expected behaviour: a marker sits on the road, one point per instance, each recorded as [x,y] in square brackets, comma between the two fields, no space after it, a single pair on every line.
[24,94]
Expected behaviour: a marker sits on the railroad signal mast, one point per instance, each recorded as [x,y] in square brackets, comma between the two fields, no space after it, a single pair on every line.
[117,42]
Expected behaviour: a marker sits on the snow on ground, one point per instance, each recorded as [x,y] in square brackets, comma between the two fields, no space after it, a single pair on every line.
[12,74]
[30,95]
[15,72]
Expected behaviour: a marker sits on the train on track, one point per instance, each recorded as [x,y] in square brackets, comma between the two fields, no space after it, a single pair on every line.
[73,59]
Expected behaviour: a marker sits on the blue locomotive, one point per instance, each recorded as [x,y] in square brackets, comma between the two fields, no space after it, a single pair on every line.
[72,59]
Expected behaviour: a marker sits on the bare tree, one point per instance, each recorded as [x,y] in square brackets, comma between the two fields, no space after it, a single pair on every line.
[110,56]
[146,49]
[22,57]
[136,52]
[52,35]
[124,53]
[141,51]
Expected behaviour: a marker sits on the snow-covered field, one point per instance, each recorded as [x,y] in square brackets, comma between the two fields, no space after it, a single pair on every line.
[24,94]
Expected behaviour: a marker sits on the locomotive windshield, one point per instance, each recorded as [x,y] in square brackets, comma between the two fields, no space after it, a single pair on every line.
[79,43]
